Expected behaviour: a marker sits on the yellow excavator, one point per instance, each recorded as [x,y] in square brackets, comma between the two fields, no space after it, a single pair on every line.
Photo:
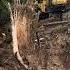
[53,6]
[50,3]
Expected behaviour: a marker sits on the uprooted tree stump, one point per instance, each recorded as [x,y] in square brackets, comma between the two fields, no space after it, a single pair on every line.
[33,45]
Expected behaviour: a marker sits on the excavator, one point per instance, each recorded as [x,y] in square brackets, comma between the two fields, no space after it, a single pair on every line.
[47,7]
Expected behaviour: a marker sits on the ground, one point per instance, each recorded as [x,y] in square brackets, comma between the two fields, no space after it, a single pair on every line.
[50,48]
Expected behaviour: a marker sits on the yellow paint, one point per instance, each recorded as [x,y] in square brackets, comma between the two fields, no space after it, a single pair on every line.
[42,5]
[59,2]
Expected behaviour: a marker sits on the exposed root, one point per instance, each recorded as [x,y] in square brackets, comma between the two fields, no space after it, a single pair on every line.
[20,60]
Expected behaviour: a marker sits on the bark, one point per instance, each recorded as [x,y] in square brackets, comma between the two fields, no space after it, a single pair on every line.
[14,38]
